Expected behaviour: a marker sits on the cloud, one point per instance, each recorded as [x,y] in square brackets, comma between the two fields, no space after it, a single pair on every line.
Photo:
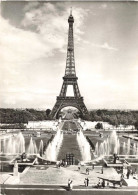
[33,54]
[18,45]
[50,22]
[26,52]
[104,46]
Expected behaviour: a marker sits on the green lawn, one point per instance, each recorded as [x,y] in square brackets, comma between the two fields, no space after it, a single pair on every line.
[69,145]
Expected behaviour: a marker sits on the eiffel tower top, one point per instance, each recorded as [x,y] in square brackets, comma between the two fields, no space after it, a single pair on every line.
[71,19]
[70,79]
[70,62]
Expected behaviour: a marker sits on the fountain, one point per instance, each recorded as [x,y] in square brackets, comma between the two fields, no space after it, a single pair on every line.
[84,146]
[32,148]
[118,146]
[113,141]
[128,146]
[97,149]
[13,145]
[136,149]
[54,146]
[109,146]
[124,148]
[41,147]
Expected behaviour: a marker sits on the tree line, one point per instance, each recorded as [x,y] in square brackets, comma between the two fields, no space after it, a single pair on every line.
[113,117]
[12,116]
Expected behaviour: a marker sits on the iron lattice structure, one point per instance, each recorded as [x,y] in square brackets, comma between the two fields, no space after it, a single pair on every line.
[70,78]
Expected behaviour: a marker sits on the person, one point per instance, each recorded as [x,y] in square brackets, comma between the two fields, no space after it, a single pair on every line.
[59,165]
[92,166]
[115,158]
[87,182]
[134,174]
[102,170]
[122,176]
[103,183]
[78,168]
[128,173]
[121,182]
[114,184]
[66,163]
[87,171]
[99,183]
[70,184]
[131,172]
[107,183]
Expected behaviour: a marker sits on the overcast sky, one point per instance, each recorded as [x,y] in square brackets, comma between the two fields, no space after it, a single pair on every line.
[33,41]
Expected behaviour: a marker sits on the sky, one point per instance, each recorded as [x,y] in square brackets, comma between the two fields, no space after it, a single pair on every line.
[33,42]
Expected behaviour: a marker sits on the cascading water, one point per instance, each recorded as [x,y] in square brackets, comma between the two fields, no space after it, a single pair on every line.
[54,146]
[84,146]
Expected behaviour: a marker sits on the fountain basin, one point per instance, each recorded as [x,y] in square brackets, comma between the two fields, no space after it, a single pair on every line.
[132,161]
[41,161]
[7,157]
[109,161]
[127,159]
[30,160]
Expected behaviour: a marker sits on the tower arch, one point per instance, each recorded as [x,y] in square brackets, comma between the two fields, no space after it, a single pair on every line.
[65,106]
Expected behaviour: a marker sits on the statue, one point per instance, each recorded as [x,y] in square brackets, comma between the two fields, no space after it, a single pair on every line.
[23,156]
[115,158]
[16,164]
[15,169]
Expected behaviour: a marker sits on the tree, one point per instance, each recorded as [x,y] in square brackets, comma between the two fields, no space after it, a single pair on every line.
[48,112]
[99,126]
[136,125]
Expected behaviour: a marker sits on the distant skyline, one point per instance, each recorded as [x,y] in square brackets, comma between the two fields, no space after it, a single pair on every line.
[33,46]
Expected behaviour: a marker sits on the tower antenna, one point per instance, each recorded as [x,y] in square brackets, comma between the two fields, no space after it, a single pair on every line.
[71,11]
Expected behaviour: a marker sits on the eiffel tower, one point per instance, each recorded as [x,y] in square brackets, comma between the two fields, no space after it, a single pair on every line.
[70,78]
